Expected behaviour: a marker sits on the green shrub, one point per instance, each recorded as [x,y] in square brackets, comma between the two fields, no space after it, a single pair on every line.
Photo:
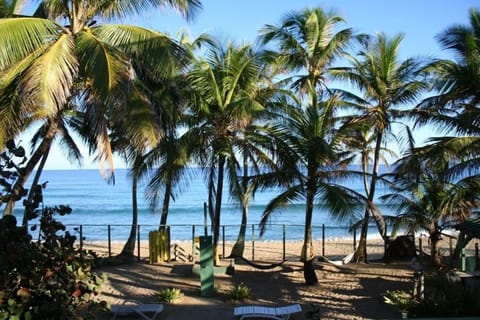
[398,298]
[168,295]
[442,298]
[239,292]
[48,278]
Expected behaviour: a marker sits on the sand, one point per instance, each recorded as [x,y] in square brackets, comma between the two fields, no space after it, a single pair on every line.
[351,291]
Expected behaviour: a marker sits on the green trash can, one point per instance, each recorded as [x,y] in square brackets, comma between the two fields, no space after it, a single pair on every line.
[159,245]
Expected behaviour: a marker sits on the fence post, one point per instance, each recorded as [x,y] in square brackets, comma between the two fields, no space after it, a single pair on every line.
[138,242]
[354,239]
[450,241]
[109,241]
[253,242]
[477,266]
[420,248]
[81,241]
[323,239]
[193,242]
[283,242]
[223,242]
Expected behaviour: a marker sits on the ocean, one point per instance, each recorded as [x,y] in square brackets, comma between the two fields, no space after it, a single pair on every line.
[101,208]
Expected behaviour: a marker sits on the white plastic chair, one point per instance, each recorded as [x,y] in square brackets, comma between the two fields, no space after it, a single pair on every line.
[279,313]
[141,309]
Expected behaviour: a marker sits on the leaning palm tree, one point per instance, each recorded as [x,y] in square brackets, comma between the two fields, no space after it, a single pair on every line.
[386,84]
[454,109]
[223,104]
[430,194]
[62,59]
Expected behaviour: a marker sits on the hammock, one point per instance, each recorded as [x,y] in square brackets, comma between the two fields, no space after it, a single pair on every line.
[345,260]
[261,266]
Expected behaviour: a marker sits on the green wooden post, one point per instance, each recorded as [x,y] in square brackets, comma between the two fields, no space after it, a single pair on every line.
[207,287]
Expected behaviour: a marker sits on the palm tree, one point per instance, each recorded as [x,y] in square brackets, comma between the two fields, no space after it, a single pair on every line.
[224,83]
[457,82]
[387,84]
[430,194]
[51,66]
[455,107]
[166,162]
[307,46]
[308,143]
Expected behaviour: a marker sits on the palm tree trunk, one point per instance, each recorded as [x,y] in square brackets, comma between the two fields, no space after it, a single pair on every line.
[218,209]
[239,246]
[307,255]
[434,239]
[33,189]
[165,206]
[379,220]
[42,149]
[129,247]
[361,251]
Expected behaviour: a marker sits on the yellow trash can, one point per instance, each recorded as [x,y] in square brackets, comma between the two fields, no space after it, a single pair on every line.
[159,245]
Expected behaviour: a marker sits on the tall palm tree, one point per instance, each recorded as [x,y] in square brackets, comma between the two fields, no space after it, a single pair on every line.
[224,102]
[166,163]
[386,85]
[62,59]
[308,44]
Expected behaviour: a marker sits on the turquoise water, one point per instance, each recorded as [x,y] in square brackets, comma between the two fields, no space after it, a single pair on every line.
[96,205]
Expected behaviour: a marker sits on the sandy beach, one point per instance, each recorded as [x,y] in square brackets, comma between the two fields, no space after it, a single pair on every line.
[351,291]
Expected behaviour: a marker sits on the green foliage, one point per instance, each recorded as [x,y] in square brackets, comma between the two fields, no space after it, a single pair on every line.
[446,297]
[443,298]
[399,298]
[239,292]
[48,278]
[168,295]
[11,160]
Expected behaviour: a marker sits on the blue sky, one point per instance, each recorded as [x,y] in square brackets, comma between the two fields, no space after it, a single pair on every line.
[240,20]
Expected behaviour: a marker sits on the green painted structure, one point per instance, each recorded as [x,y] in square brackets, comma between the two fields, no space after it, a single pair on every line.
[207,282]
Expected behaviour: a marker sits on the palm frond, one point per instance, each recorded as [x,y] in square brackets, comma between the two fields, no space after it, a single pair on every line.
[22,36]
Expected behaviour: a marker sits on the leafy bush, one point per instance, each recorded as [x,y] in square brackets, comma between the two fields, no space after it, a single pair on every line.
[443,298]
[239,292]
[399,298]
[48,278]
[168,295]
